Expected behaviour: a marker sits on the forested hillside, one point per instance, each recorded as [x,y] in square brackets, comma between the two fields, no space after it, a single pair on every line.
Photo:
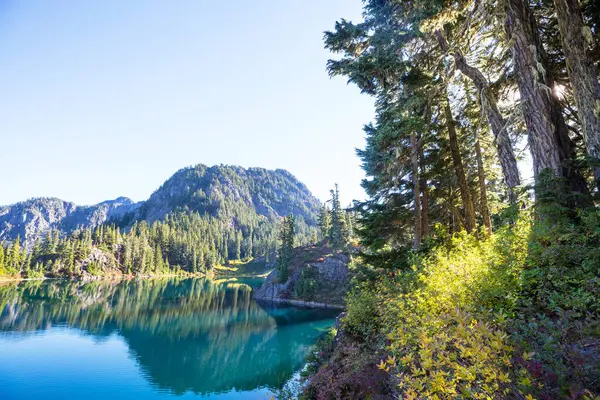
[480,284]
[199,218]
[233,192]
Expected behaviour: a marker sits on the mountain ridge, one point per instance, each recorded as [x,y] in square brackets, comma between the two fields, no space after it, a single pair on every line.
[226,191]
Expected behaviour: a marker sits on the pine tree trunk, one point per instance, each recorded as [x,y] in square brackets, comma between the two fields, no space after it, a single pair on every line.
[416,190]
[459,169]
[584,78]
[506,155]
[485,211]
[425,195]
[548,136]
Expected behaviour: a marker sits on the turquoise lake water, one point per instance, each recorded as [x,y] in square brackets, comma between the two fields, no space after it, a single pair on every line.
[149,339]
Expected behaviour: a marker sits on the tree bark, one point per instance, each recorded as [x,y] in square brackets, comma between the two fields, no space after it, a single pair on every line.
[465,193]
[425,194]
[548,136]
[483,203]
[582,73]
[506,155]
[416,190]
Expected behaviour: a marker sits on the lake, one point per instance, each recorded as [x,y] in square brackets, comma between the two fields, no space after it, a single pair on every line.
[149,339]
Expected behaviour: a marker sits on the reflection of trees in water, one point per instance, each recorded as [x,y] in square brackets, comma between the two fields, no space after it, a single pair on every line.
[168,307]
[186,334]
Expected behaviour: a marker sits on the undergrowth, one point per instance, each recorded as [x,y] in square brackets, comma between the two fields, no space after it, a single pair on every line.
[512,315]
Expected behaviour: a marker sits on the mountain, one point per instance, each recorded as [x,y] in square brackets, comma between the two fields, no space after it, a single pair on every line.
[230,193]
[219,189]
[31,219]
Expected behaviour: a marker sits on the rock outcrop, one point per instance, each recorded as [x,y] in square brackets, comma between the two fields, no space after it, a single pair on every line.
[328,276]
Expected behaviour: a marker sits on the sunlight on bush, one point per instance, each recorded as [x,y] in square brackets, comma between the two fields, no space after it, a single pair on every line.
[514,315]
[445,317]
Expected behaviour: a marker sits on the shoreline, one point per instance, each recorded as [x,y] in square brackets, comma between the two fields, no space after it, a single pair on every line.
[302,303]
[89,278]
[212,276]
[261,276]
[5,279]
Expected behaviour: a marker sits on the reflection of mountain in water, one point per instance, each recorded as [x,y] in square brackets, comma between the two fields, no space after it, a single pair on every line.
[185,334]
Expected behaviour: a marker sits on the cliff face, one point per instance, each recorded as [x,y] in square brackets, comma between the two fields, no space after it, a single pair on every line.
[318,277]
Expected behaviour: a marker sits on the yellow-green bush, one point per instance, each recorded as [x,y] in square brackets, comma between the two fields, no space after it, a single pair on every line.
[447,325]
[452,355]
[445,318]
[513,315]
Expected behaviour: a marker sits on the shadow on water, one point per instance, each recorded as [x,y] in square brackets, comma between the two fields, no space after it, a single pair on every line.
[186,335]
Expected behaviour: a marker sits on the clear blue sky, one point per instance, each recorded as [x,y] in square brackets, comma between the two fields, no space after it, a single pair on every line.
[100,99]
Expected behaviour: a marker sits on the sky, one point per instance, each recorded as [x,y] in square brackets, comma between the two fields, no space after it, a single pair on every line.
[108,98]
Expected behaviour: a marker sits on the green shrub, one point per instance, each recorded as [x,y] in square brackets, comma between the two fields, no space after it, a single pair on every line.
[563,268]
[94,269]
[514,315]
[559,303]
[362,316]
[564,353]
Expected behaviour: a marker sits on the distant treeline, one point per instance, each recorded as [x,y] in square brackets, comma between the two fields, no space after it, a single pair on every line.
[182,242]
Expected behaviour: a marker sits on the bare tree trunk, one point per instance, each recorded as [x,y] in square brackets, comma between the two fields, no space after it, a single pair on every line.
[548,136]
[416,190]
[506,155]
[425,195]
[576,40]
[485,211]
[459,169]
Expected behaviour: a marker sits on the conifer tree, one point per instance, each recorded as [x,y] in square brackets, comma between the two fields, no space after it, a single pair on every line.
[238,245]
[15,256]
[284,256]
[70,256]
[194,264]
[577,44]
[349,217]
[444,76]
[158,258]
[2,257]
[336,231]
[324,222]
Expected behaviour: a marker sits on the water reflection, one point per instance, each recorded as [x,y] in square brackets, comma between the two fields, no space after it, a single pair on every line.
[186,335]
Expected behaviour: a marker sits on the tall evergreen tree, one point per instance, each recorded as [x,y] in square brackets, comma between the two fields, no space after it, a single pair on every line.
[577,43]
[324,222]
[2,257]
[338,222]
[548,136]
[285,252]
